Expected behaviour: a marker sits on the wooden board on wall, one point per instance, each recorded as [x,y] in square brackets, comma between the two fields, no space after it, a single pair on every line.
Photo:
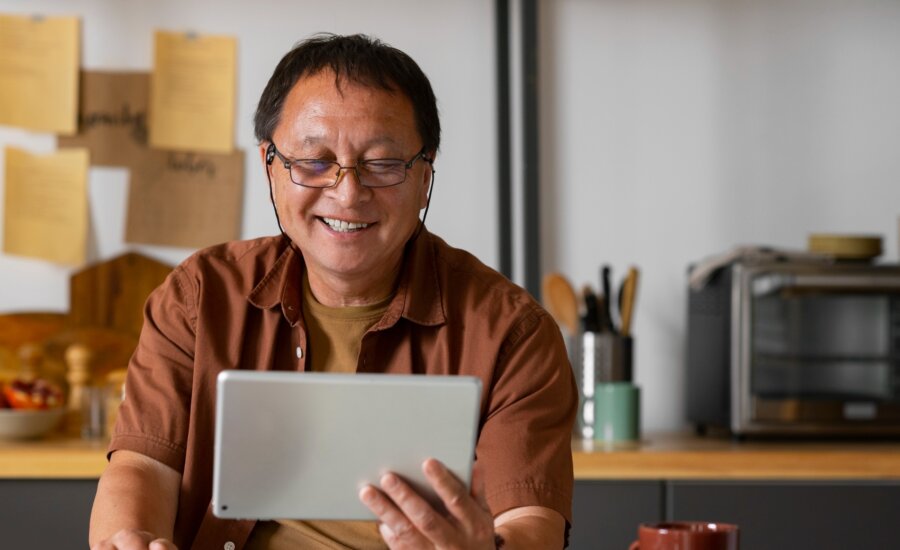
[112,294]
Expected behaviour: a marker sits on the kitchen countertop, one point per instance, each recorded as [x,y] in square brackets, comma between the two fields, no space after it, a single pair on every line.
[657,456]
[52,458]
[686,456]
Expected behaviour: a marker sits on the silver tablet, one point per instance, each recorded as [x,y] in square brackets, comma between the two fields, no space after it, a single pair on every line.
[300,445]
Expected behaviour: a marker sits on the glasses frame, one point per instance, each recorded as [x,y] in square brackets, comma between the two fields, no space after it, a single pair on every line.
[273,152]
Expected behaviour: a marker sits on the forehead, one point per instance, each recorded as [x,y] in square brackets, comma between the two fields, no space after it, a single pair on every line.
[320,102]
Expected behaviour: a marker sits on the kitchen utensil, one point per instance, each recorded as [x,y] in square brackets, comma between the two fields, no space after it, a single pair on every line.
[560,300]
[606,274]
[590,320]
[629,293]
[604,321]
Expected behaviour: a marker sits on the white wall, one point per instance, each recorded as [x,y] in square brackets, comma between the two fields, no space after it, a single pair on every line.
[676,129]
[671,129]
[453,42]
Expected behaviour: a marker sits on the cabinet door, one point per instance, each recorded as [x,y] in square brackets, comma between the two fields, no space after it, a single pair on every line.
[45,513]
[606,514]
[796,515]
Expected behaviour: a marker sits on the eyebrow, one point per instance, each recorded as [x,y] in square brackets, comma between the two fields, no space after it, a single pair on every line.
[380,140]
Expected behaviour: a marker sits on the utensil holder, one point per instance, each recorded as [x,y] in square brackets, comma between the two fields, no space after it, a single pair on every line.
[600,357]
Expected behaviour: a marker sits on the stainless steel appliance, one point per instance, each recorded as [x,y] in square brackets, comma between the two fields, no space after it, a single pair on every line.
[796,348]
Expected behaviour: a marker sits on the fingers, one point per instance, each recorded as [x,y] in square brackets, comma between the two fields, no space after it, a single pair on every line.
[470,512]
[409,521]
[396,529]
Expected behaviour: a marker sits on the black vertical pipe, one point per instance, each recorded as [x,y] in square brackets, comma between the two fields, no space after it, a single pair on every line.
[504,148]
[530,149]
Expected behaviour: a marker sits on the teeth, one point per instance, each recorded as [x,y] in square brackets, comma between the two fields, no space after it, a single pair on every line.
[344,226]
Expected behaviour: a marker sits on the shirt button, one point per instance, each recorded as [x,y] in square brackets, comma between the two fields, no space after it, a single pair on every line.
[229,545]
[299,352]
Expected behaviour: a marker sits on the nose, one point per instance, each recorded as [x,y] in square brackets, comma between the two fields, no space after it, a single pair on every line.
[347,190]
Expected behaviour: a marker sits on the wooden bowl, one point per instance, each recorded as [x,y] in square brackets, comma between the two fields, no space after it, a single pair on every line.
[28,424]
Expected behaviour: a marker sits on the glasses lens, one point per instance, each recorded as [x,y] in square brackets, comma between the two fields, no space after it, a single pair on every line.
[382,172]
[314,173]
[371,173]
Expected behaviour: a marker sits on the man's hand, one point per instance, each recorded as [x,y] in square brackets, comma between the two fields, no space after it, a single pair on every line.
[409,521]
[129,539]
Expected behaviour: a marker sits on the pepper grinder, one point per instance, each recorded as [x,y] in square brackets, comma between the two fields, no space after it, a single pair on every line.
[78,374]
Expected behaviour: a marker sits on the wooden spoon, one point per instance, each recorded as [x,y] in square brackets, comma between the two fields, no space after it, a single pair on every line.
[560,300]
[629,293]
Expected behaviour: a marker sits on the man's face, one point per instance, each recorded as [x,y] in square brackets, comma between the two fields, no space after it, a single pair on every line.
[347,126]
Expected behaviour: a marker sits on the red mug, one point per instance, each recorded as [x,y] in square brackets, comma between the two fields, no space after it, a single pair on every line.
[686,535]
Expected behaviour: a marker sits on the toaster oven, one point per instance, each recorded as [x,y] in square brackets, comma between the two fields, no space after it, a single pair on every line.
[796,348]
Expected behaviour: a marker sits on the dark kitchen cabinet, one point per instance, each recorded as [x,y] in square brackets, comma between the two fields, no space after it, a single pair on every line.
[45,513]
[606,513]
[54,513]
[795,515]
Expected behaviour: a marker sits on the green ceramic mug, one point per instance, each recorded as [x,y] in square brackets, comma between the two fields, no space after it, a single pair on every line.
[617,407]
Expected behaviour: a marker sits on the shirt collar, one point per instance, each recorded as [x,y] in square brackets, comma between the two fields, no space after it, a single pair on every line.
[281,285]
[419,291]
[418,297]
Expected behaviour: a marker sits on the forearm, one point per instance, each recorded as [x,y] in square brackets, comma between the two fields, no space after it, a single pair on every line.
[527,529]
[135,492]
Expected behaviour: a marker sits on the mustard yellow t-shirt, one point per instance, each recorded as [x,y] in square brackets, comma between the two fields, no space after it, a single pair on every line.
[335,336]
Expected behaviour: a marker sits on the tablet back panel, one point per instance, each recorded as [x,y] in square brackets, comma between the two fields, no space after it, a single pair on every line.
[301,445]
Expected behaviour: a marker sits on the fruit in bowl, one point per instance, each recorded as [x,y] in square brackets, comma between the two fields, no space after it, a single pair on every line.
[36,394]
[29,409]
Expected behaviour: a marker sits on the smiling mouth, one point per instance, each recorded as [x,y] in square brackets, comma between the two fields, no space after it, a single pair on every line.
[342,226]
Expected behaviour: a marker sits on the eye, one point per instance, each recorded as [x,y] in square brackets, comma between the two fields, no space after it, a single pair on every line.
[382,166]
[314,166]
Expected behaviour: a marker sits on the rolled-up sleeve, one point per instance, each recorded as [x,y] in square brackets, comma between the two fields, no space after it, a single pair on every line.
[153,418]
[524,446]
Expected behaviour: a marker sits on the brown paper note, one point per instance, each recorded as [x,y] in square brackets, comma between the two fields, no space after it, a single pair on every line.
[192,98]
[45,205]
[189,200]
[112,117]
[39,58]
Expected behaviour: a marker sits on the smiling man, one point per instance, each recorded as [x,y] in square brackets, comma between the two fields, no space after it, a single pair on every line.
[348,135]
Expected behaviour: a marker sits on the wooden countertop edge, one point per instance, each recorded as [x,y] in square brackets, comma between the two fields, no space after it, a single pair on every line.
[713,465]
[656,459]
[685,456]
[53,459]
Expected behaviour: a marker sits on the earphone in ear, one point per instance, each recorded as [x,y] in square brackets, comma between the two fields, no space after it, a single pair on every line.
[270,157]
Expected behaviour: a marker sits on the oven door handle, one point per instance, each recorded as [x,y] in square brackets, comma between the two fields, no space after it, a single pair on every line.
[856,281]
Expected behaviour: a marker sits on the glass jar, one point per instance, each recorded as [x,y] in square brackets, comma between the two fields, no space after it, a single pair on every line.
[115,393]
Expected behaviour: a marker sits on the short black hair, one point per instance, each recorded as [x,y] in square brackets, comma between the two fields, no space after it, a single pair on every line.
[360,59]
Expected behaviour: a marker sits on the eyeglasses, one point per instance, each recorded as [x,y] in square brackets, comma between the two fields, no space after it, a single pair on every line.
[320,173]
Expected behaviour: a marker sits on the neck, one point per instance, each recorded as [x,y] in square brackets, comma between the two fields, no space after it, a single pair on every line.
[342,290]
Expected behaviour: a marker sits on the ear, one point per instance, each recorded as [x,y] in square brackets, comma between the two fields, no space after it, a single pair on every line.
[264,154]
[263,147]
[427,178]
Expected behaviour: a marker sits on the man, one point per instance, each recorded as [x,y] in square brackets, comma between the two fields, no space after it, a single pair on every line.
[348,132]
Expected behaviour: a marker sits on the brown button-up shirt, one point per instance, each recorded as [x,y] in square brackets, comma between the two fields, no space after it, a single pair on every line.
[239,306]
